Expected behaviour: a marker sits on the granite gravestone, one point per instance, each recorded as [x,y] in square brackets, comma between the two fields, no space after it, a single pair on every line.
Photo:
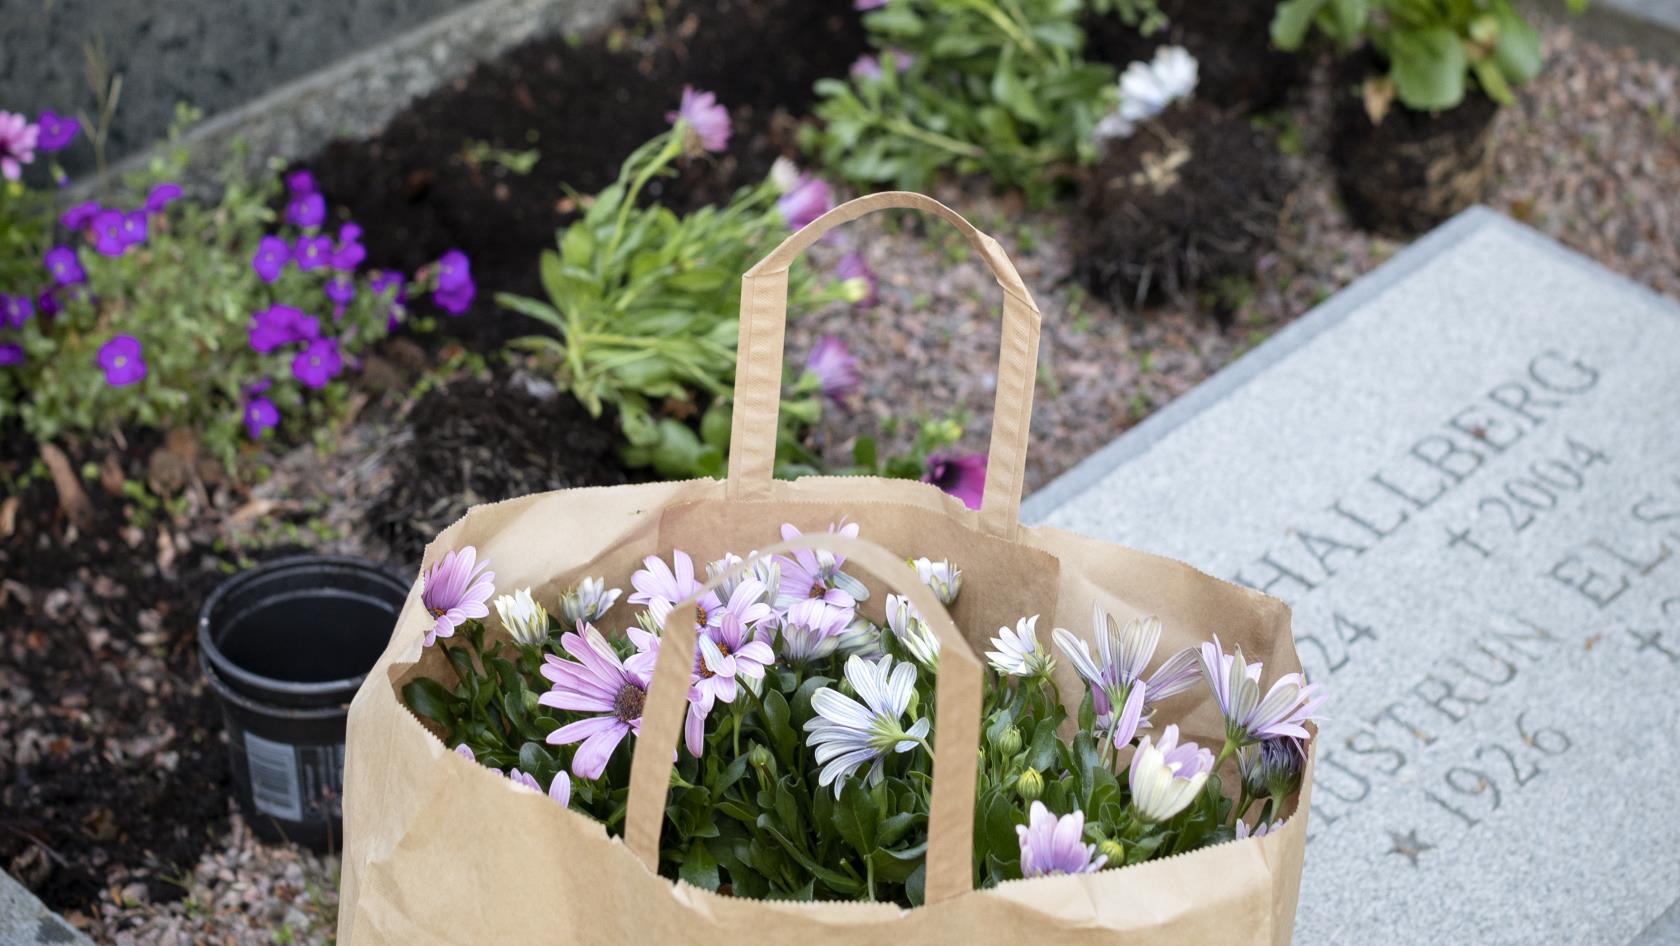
[1463,475]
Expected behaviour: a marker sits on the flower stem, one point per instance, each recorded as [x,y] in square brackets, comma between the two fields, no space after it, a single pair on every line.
[673,146]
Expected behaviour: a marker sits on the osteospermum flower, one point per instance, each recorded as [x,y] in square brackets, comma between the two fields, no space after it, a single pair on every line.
[1165,776]
[318,363]
[64,267]
[911,632]
[1052,845]
[54,132]
[861,638]
[1258,831]
[17,144]
[706,120]
[1116,675]
[595,681]
[815,574]
[858,280]
[1284,710]
[945,581]
[729,653]
[454,590]
[122,361]
[810,630]
[961,475]
[1018,653]
[1147,88]
[805,202]
[465,751]
[656,582]
[588,602]
[847,733]
[834,367]
[522,617]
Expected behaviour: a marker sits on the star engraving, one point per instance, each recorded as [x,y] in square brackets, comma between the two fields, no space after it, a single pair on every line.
[1408,845]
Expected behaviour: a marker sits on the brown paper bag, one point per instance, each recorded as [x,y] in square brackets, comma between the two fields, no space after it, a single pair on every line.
[441,850]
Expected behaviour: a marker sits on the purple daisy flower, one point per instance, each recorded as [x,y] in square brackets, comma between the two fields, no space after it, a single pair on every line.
[1166,776]
[11,353]
[811,629]
[1052,845]
[65,268]
[732,648]
[15,310]
[812,574]
[961,475]
[122,361]
[280,325]
[1116,677]
[318,363]
[133,229]
[306,210]
[299,183]
[809,199]
[834,367]
[260,415]
[455,590]
[80,215]
[1284,710]
[661,586]
[858,279]
[108,229]
[465,751]
[349,252]
[312,252]
[17,144]
[708,120]
[55,131]
[846,733]
[596,681]
[162,196]
[271,257]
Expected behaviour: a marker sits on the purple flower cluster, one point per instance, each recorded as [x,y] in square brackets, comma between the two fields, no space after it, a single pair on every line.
[112,230]
[20,139]
[14,311]
[278,326]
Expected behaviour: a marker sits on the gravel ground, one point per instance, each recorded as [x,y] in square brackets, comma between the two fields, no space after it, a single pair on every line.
[1591,157]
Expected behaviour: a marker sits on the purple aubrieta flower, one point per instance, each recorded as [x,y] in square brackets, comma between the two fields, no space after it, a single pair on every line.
[55,131]
[961,475]
[122,361]
[271,257]
[595,681]
[299,183]
[318,363]
[868,68]
[133,228]
[161,196]
[1052,845]
[260,415]
[17,144]
[48,304]
[64,267]
[454,590]
[384,280]
[312,252]
[15,310]
[109,228]
[340,290]
[11,353]
[1283,711]
[455,289]
[80,215]
[280,325]
[349,252]
[834,367]
[708,120]
[306,210]
[807,200]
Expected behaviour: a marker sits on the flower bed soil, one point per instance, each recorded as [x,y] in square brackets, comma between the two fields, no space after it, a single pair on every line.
[584,107]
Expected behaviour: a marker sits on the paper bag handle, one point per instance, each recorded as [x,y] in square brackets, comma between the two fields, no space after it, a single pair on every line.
[758,364]
[950,854]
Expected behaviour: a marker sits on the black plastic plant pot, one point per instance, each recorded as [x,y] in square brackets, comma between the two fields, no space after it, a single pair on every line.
[284,646]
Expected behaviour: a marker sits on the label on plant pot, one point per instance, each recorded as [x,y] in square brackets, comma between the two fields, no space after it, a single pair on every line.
[295,783]
[1463,476]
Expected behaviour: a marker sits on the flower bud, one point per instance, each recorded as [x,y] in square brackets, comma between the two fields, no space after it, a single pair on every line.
[524,619]
[1030,785]
[1114,851]
[1281,761]
[1009,742]
[759,757]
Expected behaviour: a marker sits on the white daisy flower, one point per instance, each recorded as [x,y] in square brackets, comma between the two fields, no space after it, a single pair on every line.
[1019,654]
[847,733]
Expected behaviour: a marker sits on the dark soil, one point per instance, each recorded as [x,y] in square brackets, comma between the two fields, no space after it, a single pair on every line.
[475,441]
[1237,66]
[112,771]
[1413,170]
[584,107]
[1189,198]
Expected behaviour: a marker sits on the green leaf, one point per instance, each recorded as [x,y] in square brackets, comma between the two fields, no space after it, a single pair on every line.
[1492,81]
[429,699]
[1291,21]
[856,817]
[1517,50]
[779,726]
[1428,66]
[699,867]
[577,248]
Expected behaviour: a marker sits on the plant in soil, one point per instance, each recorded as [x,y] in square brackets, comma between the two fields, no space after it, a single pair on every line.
[1002,90]
[805,765]
[114,324]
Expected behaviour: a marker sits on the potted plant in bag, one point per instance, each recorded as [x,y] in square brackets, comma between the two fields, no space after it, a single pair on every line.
[1418,90]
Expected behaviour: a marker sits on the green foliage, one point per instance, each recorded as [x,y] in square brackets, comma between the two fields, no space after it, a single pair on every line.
[968,86]
[644,308]
[1433,48]
[187,294]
